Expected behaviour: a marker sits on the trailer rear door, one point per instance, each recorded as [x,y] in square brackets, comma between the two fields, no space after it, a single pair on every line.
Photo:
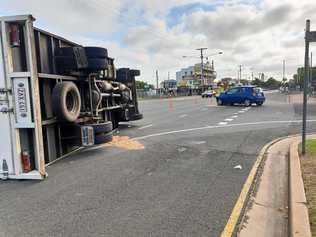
[5,125]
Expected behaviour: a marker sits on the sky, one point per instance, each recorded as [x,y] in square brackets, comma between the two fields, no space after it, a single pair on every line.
[153,35]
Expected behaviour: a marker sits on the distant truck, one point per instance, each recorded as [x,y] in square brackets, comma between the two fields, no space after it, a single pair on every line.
[56,96]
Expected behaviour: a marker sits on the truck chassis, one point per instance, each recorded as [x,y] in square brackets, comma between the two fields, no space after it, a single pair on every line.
[53,101]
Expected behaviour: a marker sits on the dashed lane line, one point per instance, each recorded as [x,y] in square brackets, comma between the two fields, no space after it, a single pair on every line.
[147,126]
[183,116]
[222,125]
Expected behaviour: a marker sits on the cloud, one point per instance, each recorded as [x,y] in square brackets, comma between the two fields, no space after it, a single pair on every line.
[258,34]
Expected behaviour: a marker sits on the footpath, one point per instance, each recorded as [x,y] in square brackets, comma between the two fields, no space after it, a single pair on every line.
[277,203]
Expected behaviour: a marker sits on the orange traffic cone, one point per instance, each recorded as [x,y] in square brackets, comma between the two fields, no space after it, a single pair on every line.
[170,104]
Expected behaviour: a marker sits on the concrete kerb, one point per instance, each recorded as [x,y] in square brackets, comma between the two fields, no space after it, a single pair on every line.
[242,199]
[298,212]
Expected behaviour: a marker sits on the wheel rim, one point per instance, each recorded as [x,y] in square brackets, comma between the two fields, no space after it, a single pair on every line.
[219,102]
[71,102]
[247,102]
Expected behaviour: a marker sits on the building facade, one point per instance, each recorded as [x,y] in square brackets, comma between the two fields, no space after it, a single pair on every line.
[192,77]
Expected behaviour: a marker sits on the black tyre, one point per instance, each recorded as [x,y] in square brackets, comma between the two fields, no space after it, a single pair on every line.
[66,101]
[259,103]
[219,102]
[136,117]
[96,52]
[65,52]
[247,103]
[102,127]
[97,64]
[64,63]
[103,138]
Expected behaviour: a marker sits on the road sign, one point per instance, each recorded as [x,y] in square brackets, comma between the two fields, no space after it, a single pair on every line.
[311,36]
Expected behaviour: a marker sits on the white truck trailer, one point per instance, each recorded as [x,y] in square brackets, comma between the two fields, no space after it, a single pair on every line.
[56,96]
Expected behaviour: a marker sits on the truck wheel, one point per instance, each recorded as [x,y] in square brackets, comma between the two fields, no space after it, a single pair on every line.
[97,64]
[66,101]
[103,138]
[102,127]
[64,63]
[96,52]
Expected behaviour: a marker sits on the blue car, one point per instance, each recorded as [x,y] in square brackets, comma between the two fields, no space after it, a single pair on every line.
[246,95]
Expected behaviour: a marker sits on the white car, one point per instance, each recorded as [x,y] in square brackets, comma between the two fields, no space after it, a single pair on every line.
[208,94]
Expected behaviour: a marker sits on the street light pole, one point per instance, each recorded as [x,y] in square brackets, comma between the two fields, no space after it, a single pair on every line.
[311,71]
[283,70]
[202,57]
[239,74]
[306,77]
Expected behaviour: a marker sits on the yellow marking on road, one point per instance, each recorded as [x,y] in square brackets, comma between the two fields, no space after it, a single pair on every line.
[125,142]
[233,219]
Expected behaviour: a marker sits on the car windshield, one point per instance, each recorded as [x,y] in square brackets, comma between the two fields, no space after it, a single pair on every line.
[258,90]
[157,118]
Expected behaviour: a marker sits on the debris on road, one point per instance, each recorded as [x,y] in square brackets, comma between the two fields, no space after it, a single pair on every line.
[125,142]
[182,149]
[238,167]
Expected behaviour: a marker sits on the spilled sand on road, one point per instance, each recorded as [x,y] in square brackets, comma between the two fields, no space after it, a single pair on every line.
[125,142]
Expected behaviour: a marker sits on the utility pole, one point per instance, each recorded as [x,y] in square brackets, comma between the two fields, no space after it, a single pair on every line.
[251,76]
[306,79]
[283,70]
[311,71]
[239,74]
[202,57]
[157,81]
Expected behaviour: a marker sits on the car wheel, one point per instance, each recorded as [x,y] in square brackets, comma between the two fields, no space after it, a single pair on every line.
[247,103]
[259,103]
[66,101]
[202,96]
[219,102]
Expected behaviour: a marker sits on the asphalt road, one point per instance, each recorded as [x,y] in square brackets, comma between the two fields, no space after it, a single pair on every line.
[176,178]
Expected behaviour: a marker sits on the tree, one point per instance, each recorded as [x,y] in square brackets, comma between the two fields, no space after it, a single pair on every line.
[271,83]
[144,85]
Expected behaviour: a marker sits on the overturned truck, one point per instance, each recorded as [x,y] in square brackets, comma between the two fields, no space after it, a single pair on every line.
[55,96]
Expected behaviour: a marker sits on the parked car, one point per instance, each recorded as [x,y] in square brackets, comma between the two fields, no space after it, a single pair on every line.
[246,95]
[208,94]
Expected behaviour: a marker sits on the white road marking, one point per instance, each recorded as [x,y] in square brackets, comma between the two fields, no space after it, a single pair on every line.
[183,115]
[229,119]
[235,113]
[222,123]
[235,116]
[222,126]
[198,142]
[147,126]
[241,111]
